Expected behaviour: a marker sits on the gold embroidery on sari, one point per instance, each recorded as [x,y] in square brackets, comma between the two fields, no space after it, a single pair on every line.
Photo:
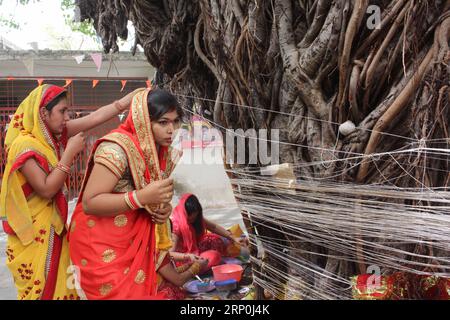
[105,289]
[142,124]
[140,277]
[91,223]
[112,157]
[120,220]
[135,163]
[108,255]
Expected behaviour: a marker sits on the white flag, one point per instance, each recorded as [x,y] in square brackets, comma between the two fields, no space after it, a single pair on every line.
[79,59]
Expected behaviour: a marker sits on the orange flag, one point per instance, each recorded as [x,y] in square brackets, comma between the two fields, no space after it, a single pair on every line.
[124,82]
[40,81]
[94,83]
[68,82]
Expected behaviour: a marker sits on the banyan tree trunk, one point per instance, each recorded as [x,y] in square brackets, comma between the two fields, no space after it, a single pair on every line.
[304,67]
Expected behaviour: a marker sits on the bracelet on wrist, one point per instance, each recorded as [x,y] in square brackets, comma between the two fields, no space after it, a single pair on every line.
[135,198]
[132,201]
[63,168]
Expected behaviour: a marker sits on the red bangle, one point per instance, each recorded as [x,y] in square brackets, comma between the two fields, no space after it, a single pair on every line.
[132,201]
[128,201]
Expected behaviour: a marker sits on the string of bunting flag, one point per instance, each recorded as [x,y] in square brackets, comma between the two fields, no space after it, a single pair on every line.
[69,81]
[96,58]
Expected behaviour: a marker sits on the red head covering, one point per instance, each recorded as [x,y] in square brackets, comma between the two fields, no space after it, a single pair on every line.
[51,93]
[180,223]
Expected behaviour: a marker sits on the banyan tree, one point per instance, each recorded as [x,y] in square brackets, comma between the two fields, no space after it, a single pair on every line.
[359,93]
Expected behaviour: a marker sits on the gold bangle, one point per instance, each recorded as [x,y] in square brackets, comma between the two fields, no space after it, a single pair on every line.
[63,168]
[60,169]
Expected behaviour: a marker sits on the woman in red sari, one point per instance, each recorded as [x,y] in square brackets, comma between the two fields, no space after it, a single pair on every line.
[190,238]
[114,240]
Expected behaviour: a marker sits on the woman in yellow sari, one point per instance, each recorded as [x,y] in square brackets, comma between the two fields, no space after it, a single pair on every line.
[33,203]
[119,235]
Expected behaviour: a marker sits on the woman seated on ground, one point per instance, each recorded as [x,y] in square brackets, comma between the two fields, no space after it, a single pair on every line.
[192,242]
[112,237]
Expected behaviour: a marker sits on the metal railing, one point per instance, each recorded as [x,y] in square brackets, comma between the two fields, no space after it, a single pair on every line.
[79,166]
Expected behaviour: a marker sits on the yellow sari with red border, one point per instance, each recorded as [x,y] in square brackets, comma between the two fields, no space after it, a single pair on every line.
[37,250]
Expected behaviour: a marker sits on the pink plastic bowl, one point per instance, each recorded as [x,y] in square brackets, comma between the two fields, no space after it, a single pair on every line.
[227,271]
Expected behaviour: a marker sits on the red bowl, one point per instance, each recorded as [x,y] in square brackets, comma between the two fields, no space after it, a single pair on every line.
[227,271]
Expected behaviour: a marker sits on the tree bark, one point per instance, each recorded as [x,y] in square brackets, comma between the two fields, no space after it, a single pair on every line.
[305,67]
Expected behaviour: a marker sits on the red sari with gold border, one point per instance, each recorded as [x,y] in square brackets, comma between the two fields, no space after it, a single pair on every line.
[118,256]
